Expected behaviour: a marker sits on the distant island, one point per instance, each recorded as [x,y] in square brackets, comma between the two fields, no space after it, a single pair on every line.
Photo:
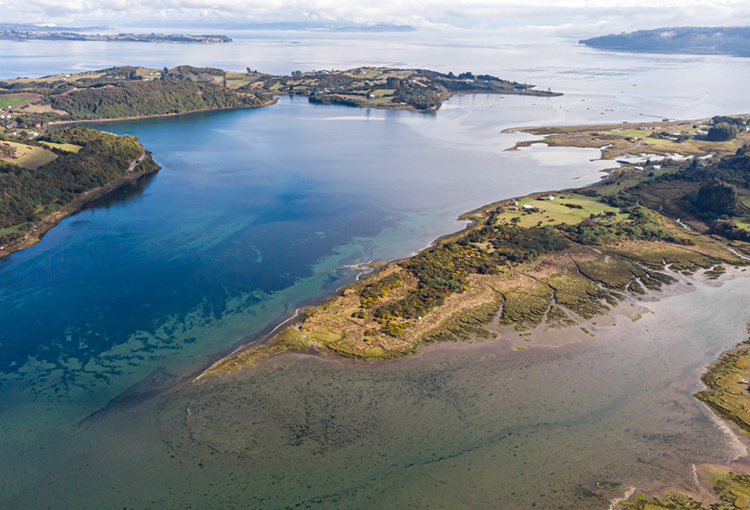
[734,41]
[19,35]
[45,27]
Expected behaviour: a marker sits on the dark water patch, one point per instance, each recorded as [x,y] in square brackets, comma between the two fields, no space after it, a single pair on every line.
[153,385]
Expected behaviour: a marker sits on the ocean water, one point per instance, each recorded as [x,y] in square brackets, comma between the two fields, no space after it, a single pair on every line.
[257,212]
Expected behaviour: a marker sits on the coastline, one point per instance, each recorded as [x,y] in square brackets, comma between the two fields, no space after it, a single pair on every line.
[51,221]
[474,221]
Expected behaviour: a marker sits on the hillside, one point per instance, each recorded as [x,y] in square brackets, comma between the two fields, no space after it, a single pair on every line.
[695,40]
[74,163]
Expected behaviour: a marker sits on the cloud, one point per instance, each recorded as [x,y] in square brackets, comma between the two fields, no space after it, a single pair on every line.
[567,14]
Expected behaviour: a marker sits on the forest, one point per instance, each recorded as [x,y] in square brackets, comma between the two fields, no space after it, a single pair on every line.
[140,98]
[29,195]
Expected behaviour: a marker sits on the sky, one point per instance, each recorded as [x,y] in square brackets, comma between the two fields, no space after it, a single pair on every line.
[575,16]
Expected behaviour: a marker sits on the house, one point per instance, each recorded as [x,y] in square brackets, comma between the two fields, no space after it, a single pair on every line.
[549,198]
[528,207]
[515,202]
[656,167]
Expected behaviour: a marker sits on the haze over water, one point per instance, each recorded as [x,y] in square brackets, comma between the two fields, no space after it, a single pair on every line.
[256,212]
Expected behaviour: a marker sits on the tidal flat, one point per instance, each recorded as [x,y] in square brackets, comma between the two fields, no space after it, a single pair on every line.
[480,426]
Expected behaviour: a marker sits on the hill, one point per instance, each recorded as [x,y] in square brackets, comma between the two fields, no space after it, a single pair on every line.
[733,41]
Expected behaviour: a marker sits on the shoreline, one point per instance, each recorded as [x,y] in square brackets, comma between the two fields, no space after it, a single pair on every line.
[51,221]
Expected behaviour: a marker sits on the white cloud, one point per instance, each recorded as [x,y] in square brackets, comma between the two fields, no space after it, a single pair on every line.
[599,15]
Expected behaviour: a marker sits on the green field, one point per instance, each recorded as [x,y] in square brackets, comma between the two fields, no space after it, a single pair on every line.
[12,101]
[68,147]
[14,229]
[554,212]
[660,143]
[633,133]
[29,156]
[367,73]
[71,78]
[383,92]
[746,200]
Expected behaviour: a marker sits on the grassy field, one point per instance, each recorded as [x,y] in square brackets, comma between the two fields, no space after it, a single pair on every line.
[12,101]
[71,78]
[41,108]
[68,147]
[555,212]
[694,147]
[743,223]
[383,92]
[633,133]
[29,156]
[368,74]
[14,229]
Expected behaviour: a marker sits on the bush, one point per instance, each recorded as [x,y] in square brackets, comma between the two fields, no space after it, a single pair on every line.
[722,132]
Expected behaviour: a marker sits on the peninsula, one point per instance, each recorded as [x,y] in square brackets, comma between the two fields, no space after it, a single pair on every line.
[35,35]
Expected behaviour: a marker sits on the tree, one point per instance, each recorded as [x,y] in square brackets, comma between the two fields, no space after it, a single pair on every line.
[716,198]
[722,132]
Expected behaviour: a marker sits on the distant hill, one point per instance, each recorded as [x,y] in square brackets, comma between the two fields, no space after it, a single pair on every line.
[43,27]
[694,40]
